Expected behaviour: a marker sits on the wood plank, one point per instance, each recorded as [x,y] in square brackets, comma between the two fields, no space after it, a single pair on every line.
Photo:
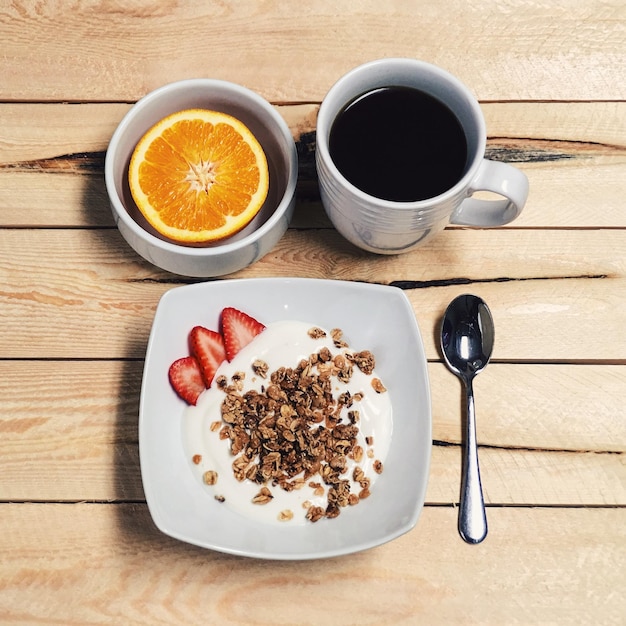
[78,199]
[546,407]
[532,321]
[38,198]
[573,126]
[51,162]
[68,430]
[94,284]
[34,132]
[75,437]
[567,52]
[105,472]
[108,564]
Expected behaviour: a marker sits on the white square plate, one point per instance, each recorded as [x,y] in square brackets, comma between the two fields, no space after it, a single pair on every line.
[372,317]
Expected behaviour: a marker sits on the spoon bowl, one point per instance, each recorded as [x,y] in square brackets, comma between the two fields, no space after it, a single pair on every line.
[467,337]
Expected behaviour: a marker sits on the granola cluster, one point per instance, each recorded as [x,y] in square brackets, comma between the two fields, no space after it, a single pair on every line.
[292,433]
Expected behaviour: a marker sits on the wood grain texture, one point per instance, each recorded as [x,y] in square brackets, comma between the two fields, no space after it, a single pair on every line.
[108,564]
[539,284]
[520,50]
[33,132]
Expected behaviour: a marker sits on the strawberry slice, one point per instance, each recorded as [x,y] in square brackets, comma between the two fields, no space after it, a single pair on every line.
[238,330]
[208,348]
[186,379]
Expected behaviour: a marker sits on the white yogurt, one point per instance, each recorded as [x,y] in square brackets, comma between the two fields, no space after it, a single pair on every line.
[281,344]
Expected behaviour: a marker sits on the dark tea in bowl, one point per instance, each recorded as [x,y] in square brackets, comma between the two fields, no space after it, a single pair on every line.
[400,152]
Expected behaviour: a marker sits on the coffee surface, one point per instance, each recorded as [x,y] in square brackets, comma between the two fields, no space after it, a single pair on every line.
[399,143]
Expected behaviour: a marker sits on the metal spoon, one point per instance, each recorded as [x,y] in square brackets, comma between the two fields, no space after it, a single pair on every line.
[467,342]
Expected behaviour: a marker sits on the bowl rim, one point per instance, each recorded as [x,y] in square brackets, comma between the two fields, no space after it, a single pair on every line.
[119,210]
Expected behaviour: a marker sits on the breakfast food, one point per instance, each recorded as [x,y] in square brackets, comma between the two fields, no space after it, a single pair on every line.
[207,346]
[186,378]
[191,375]
[198,176]
[238,329]
[294,426]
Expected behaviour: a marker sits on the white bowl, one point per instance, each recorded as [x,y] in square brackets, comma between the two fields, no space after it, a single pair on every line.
[373,317]
[256,239]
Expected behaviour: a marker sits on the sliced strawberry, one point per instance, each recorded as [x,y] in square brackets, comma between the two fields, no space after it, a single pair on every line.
[208,347]
[238,330]
[186,379]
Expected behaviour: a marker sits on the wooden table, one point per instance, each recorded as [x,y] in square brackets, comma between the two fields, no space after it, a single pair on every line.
[76,305]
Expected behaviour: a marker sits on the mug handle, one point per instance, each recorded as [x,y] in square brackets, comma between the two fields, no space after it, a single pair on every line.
[500,178]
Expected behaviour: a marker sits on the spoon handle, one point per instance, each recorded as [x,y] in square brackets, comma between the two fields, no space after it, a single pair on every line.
[472,517]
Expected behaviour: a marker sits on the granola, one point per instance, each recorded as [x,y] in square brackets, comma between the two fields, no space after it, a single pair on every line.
[210,477]
[292,430]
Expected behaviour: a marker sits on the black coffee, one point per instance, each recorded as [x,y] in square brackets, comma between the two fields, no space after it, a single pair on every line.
[399,143]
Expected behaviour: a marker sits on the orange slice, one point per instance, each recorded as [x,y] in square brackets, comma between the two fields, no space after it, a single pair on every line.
[198,176]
